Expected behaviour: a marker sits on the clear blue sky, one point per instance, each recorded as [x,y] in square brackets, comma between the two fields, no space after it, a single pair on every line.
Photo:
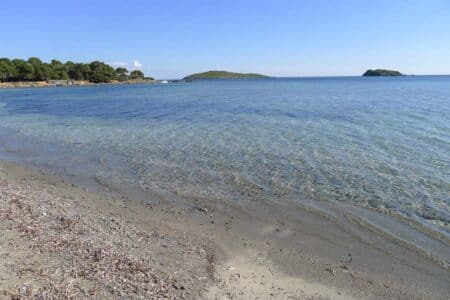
[277,37]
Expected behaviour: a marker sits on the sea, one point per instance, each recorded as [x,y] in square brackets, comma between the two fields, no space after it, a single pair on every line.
[380,144]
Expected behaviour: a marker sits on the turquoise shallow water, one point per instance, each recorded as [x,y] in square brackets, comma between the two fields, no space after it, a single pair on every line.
[381,143]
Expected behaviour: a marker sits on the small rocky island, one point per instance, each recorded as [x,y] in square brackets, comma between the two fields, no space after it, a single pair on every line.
[222,74]
[382,72]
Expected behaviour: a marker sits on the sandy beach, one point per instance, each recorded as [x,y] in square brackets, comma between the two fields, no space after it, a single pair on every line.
[225,150]
[62,241]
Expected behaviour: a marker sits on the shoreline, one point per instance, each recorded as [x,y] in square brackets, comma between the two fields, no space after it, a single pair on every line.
[260,250]
[42,84]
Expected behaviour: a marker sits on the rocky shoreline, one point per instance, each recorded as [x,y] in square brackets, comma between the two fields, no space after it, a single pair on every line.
[60,83]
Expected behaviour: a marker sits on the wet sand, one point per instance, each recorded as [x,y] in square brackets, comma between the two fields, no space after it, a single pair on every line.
[61,240]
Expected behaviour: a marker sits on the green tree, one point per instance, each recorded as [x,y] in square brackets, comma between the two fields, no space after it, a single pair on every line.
[58,70]
[24,71]
[136,74]
[39,68]
[7,70]
[69,65]
[35,69]
[101,72]
[78,71]
[122,74]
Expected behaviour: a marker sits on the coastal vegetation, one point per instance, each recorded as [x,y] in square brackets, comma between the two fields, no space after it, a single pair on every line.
[382,72]
[34,69]
[223,74]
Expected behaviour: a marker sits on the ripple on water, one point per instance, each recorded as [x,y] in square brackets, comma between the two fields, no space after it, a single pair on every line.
[379,144]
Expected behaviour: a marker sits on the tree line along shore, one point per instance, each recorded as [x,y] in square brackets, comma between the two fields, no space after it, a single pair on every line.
[34,73]
[222,75]
[35,70]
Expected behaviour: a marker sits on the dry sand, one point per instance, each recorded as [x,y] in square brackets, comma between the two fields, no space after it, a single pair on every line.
[61,241]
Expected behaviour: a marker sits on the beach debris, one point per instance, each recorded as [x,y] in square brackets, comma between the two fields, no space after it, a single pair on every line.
[202,209]
[331,270]
[87,255]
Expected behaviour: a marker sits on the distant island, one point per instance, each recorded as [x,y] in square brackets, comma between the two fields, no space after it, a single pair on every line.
[222,74]
[34,70]
[382,72]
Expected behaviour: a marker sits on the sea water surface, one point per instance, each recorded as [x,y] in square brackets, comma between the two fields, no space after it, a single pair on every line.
[379,143]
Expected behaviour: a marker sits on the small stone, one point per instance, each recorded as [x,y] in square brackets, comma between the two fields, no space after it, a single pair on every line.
[331,270]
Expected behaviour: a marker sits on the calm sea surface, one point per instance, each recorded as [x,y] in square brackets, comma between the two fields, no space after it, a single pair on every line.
[380,143]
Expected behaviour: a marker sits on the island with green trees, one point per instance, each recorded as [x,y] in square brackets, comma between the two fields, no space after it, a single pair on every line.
[222,74]
[382,72]
[35,72]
